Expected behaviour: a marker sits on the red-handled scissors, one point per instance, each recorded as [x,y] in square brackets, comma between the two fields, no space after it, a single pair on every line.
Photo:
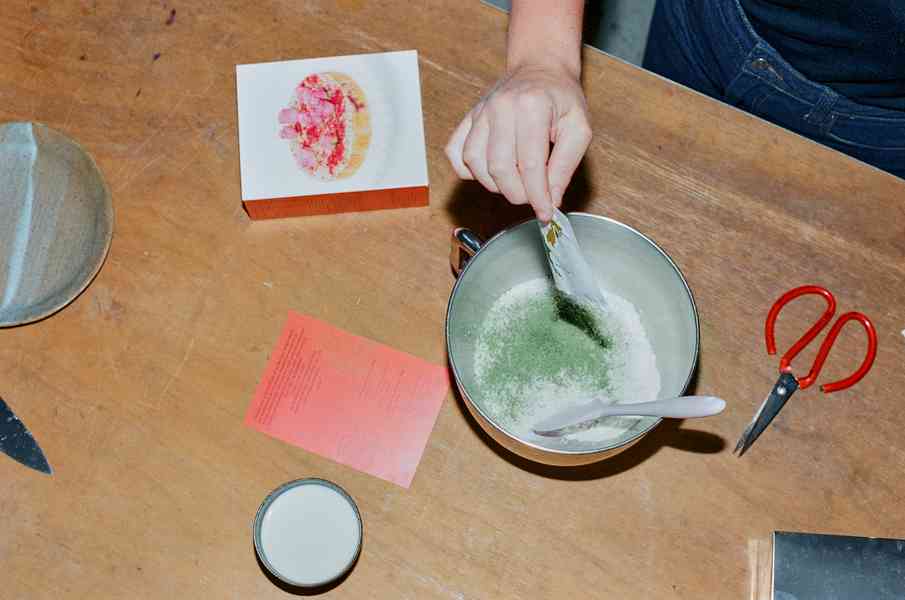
[788,383]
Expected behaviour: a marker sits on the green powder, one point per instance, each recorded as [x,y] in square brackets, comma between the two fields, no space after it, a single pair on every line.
[536,339]
[581,317]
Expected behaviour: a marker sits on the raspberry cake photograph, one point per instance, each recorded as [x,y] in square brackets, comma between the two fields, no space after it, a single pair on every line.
[327,125]
[331,134]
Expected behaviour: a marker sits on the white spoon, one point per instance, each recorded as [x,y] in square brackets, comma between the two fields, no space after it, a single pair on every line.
[684,407]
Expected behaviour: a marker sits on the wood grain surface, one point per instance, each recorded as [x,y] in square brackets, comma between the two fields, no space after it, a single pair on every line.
[137,390]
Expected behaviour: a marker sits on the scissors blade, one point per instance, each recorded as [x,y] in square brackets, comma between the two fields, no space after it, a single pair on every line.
[783,389]
[18,443]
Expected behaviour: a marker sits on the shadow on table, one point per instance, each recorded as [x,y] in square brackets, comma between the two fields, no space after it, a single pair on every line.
[487,213]
[669,432]
[300,591]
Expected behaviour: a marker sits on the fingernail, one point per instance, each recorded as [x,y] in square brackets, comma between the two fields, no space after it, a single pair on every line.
[556,195]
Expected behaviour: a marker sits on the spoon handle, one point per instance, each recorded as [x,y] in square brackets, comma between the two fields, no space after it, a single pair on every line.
[686,407]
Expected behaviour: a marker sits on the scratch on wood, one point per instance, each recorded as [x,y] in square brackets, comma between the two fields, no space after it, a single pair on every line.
[138,172]
[371,42]
[458,75]
[439,586]
[205,93]
[138,149]
[185,358]
[75,100]
[13,45]
[188,163]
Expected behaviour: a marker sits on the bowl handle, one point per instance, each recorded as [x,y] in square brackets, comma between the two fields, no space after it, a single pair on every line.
[465,244]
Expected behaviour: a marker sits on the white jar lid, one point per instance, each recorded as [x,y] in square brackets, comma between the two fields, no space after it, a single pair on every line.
[308,532]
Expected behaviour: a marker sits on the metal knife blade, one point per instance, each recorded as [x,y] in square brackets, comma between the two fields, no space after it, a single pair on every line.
[571,273]
[18,443]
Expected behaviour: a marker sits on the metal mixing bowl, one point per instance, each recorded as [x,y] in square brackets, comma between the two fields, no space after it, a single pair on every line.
[627,263]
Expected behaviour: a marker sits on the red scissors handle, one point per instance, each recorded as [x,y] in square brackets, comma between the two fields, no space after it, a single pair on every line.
[810,334]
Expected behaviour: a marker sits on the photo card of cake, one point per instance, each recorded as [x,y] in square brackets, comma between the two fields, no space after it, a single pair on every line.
[330,135]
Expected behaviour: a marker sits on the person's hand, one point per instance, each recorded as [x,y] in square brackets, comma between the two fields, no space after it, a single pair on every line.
[504,141]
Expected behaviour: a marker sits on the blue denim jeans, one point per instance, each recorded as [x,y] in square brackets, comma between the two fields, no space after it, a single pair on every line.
[709,46]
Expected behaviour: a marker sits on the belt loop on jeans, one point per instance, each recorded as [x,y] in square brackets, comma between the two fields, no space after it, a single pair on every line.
[820,114]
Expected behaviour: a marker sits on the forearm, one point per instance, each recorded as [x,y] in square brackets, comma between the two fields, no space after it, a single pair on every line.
[545,32]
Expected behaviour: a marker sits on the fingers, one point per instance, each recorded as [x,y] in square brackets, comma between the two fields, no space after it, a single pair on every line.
[535,115]
[572,140]
[504,143]
[501,153]
[467,149]
[456,145]
[475,153]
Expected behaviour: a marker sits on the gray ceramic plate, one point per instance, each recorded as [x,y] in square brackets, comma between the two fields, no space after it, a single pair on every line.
[56,222]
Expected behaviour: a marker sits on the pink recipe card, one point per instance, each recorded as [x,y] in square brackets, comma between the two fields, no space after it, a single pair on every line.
[349,399]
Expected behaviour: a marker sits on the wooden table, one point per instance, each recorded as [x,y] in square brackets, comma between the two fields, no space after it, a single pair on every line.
[138,389]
